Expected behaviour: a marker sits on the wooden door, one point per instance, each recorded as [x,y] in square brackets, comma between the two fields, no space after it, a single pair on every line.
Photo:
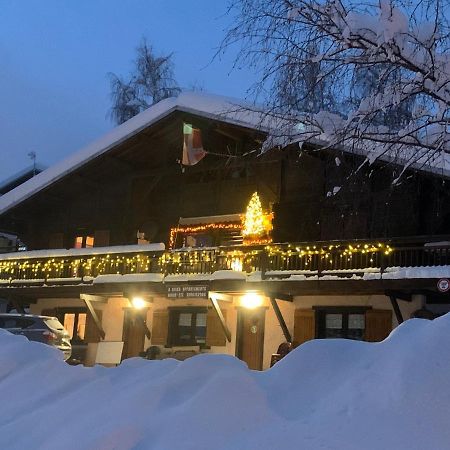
[133,332]
[304,326]
[250,339]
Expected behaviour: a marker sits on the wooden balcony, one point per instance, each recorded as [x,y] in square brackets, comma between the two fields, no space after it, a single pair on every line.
[275,261]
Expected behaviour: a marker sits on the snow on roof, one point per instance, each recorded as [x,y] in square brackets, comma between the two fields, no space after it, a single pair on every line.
[224,109]
[209,219]
[30,170]
[60,253]
[216,107]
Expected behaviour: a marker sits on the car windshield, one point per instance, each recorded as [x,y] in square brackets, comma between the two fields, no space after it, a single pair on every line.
[54,324]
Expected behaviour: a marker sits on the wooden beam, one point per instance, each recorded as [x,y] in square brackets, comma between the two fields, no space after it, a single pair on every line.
[98,324]
[216,307]
[93,298]
[221,296]
[396,308]
[399,295]
[280,318]
[281,296]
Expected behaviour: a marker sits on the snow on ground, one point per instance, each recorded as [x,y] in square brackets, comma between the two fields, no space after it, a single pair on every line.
[327,394]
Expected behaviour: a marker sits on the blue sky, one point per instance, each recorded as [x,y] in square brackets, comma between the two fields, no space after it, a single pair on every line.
[55,56]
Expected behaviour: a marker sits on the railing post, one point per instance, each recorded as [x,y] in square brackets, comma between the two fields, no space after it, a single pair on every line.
[264,263]
[319,265]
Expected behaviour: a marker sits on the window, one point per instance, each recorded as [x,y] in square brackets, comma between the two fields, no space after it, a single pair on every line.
[187,326]
[83,242]
[74,321]
[346,323]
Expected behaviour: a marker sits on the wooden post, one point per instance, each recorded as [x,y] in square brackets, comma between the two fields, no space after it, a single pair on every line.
[87,300]
[221,318]
[396,308]
[264,263]
[280,318]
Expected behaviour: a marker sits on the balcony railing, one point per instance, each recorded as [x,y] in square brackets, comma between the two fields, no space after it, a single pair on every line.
[271,261]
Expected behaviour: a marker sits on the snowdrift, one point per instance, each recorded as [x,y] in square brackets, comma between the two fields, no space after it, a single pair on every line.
[329,394]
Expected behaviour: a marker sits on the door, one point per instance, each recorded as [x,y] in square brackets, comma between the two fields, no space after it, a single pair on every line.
[250,339]
[134,328]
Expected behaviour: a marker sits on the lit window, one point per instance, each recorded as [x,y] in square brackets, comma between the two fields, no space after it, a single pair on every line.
[75,325]
[84,242]
[69,322]
[78,242]
[81,326]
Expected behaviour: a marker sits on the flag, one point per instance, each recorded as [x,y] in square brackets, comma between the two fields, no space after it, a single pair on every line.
[192,145]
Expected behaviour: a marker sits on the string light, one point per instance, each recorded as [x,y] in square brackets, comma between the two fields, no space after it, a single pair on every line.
[248,259]
[201,228]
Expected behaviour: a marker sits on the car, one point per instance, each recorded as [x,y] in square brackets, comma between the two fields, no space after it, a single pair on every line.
[45,329]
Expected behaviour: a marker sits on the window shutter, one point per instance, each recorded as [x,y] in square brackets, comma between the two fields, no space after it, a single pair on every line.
[378,324]
[214,330]
[92,334]
[304,326]
[101,238]
[56,240]
[160,327]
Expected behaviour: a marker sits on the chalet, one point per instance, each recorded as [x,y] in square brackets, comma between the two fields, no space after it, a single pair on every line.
[223,249]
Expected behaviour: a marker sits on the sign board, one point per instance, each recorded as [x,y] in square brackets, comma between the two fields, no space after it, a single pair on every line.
[187,291]
[109,352]
[443,285]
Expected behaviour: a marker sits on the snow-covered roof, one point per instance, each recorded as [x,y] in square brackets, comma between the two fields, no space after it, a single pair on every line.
[216,107]
[224,109]
[29,171]
[209,219]
[71,252]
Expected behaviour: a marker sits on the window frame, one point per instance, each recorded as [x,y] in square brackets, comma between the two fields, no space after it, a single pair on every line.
[76,310]
[174,314]
[84,237]
[322,311]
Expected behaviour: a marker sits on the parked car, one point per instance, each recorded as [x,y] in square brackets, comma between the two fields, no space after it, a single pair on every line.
[45,329]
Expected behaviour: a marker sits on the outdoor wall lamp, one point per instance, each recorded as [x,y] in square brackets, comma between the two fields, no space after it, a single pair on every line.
[251,300]
[138,302]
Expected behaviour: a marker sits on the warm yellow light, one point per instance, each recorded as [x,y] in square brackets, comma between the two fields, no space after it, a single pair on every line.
[251,300]
[138,302]
[254,218]
[236,264]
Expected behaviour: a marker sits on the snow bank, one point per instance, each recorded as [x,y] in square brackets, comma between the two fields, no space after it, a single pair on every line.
[332,394]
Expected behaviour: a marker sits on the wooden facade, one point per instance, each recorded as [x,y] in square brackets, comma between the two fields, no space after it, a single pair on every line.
[140,186]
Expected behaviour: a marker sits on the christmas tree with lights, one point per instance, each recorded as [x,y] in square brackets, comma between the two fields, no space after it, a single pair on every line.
[254,218]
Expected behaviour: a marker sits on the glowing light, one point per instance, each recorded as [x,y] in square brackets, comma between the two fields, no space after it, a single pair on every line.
[201,228]
[251,300]
[138,302]
[236,264]
[254,218]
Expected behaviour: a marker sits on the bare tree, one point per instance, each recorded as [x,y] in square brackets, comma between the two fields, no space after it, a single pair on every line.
[401,112]
[151,81]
